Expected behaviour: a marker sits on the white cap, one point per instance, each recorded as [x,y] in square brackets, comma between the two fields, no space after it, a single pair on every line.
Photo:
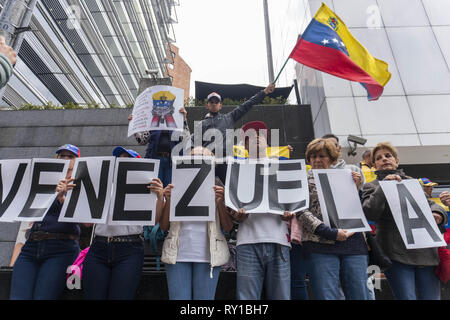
[214,94]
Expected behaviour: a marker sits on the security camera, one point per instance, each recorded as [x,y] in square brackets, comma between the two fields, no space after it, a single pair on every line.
[152,72]
[357,140]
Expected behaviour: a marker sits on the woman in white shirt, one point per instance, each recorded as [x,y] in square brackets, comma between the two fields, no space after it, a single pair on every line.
[194,251]
[113,266]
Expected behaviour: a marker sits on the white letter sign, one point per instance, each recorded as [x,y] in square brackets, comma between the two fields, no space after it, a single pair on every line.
[412,214]
[339,200]
[261,186]
[133,203]
[88,201]
[192,197]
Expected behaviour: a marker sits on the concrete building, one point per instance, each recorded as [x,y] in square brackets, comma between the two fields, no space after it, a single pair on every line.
[179,71]
[96,51]
[413,37]
[91,51]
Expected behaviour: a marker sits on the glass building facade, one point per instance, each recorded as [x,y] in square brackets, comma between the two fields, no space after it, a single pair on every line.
[413,37]
[91,51]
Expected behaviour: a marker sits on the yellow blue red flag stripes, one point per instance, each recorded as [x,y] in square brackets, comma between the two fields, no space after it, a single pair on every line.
[281,153]
[327,45]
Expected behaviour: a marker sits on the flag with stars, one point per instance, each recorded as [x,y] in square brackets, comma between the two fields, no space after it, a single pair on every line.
[327,45]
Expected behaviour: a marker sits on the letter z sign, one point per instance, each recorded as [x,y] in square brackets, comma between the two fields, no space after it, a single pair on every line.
[192,198]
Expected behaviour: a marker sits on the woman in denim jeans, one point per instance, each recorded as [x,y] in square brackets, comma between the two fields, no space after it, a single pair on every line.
[52,246]
[113,266]
[193,251]
[334,256]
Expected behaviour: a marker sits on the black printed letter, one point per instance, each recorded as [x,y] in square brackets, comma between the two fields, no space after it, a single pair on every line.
[335,221]
[417,223]
[96,203]
[182,209]
[120,214]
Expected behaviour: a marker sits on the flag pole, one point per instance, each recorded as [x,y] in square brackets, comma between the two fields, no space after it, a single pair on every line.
[279,73]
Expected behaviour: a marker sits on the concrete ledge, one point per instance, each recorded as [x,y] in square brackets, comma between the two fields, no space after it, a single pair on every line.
[36,133]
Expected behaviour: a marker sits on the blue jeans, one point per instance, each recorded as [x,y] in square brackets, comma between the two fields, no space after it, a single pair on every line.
[263,264]
[40,270]
[327,271]
[112,270]
[299,290]
[191,281]
[165,170]
[405,280]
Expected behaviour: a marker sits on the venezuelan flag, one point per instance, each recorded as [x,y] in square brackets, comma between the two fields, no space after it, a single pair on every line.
[327,45]
[281,153]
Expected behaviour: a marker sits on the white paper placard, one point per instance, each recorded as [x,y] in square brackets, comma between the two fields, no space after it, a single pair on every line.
[339,200]
[15,179]
[157,108]
[41,191]
[412,214]
[132,203]
[263,185]
[193,197]
[89,201]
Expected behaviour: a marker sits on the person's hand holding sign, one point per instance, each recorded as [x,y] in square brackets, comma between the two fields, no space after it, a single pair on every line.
[168,191]
[239,215]
[184,113]
[219,193]
[393,177]
[287,216]
[445,198]
[343,235]
[156,187]
[63,186]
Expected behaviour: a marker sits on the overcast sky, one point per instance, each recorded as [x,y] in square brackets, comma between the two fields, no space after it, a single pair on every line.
[224,41]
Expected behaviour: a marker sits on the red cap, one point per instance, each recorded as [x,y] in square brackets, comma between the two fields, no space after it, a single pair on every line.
[256,125]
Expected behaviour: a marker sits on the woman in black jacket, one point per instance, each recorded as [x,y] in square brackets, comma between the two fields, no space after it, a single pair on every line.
[412,269]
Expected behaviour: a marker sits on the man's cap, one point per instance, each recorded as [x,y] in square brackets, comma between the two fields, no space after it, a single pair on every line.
[71,148]
[212,95]
[256,125]
[119,150]
[427,183]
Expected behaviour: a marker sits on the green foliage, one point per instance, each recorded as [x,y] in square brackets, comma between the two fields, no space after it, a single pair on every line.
[70,105]
[191,102]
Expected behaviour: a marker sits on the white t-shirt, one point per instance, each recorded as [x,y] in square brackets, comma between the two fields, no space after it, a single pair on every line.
[263,227]
[193,242]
